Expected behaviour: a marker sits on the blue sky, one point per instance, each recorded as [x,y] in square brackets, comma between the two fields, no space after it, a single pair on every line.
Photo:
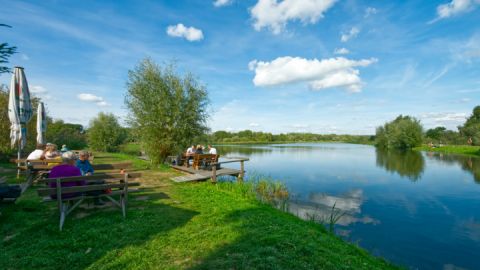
[320,66]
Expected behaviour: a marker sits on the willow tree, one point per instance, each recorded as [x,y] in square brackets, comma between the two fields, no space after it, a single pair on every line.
[166,110]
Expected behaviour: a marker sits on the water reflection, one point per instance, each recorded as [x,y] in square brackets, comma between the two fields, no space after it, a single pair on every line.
[469,164]
[319,207]
[410,164]
[247,150]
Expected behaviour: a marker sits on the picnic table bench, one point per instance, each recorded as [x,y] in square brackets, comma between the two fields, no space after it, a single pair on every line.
[204,160]
[69,198]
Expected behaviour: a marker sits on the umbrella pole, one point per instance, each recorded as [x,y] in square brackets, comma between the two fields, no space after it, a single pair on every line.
[18,161]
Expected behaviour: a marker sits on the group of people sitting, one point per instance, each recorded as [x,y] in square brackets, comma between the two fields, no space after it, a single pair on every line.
[47,151]
[71,165]
[198,150]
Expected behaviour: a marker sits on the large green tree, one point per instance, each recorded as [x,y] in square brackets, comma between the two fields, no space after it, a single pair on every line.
[404,132]
[471,128]
[167,111]
[59,133]
[105,133]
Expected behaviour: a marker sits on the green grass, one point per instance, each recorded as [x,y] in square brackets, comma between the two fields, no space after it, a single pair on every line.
[172,226]
[452,149]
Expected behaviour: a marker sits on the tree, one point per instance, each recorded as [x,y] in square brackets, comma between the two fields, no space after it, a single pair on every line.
[471,128]
[5,52]
[166,110]
[404,132]
[59,133]
[436,133]
[105,133]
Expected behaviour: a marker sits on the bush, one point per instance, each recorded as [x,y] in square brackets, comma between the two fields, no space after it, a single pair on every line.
[404,132]
[105,133]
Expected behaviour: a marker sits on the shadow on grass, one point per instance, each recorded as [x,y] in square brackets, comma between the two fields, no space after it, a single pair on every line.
[272,240]
[30,239]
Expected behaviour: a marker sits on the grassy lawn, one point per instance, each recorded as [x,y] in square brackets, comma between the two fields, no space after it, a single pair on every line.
[453,149]
[171,226]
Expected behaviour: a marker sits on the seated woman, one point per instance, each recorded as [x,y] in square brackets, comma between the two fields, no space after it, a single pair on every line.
[51,152]
[66,169]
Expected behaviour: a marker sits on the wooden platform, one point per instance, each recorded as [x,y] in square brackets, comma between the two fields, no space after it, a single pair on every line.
[198,175]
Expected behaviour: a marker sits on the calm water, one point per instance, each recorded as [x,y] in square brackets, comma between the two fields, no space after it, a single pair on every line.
[421,210]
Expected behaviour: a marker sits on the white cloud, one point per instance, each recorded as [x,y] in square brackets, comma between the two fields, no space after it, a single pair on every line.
[274,15]
[254,124]
[370,11]
[89,97]
[37,89]
[448,119]
[350,34]
[24,57]
[189,33]
[221,3]
[320,74]
[341,51]
[92,98]
[455,7]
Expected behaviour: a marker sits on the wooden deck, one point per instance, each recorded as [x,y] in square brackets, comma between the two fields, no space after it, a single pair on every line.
[198,175]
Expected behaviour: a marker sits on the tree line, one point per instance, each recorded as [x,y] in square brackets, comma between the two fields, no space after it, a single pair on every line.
[406,132]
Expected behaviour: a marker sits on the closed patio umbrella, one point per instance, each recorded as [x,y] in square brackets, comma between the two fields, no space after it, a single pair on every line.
[41,124]
[19,109]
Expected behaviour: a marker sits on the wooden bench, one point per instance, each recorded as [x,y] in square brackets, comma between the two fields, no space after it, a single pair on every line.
[200,160]
[116,183]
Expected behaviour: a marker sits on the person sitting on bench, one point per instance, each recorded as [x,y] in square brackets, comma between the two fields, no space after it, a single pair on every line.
[86,168]
[66,169]
[37,153]
[84,164]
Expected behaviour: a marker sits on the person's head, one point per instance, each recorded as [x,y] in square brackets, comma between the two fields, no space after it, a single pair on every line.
[68,158]
[194,147]
[210,146]
[199,147]
[54,147]
[64,146]
[83,155]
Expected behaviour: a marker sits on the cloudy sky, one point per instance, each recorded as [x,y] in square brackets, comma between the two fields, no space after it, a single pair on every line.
[323,66]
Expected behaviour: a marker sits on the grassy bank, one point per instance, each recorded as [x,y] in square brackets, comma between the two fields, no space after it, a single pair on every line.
[452,149]
[172,226]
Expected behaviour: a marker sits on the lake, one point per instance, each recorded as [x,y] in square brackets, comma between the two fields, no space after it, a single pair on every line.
[420,210]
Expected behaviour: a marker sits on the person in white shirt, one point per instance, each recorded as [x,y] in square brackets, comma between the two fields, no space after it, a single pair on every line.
[37,153]
[212,150]
[191,150]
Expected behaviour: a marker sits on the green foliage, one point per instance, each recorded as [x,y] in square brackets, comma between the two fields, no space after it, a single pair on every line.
[248,136]
[440,135]
[404,132]
[5,52]
[59,133]
[105,133]
[471,128]
[167,111]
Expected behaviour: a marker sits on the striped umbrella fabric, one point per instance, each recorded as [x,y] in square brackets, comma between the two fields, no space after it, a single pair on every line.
[19,108]
[41,123]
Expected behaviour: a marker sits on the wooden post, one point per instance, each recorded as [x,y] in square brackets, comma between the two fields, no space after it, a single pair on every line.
[214,172]
[242,172]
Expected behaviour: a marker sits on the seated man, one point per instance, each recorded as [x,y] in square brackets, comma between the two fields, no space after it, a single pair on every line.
[86,169]
[212,150]
[37,153]
[84,164]
[66,169]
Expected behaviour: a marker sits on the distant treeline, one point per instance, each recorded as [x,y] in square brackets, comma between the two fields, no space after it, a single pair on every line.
[248,136]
